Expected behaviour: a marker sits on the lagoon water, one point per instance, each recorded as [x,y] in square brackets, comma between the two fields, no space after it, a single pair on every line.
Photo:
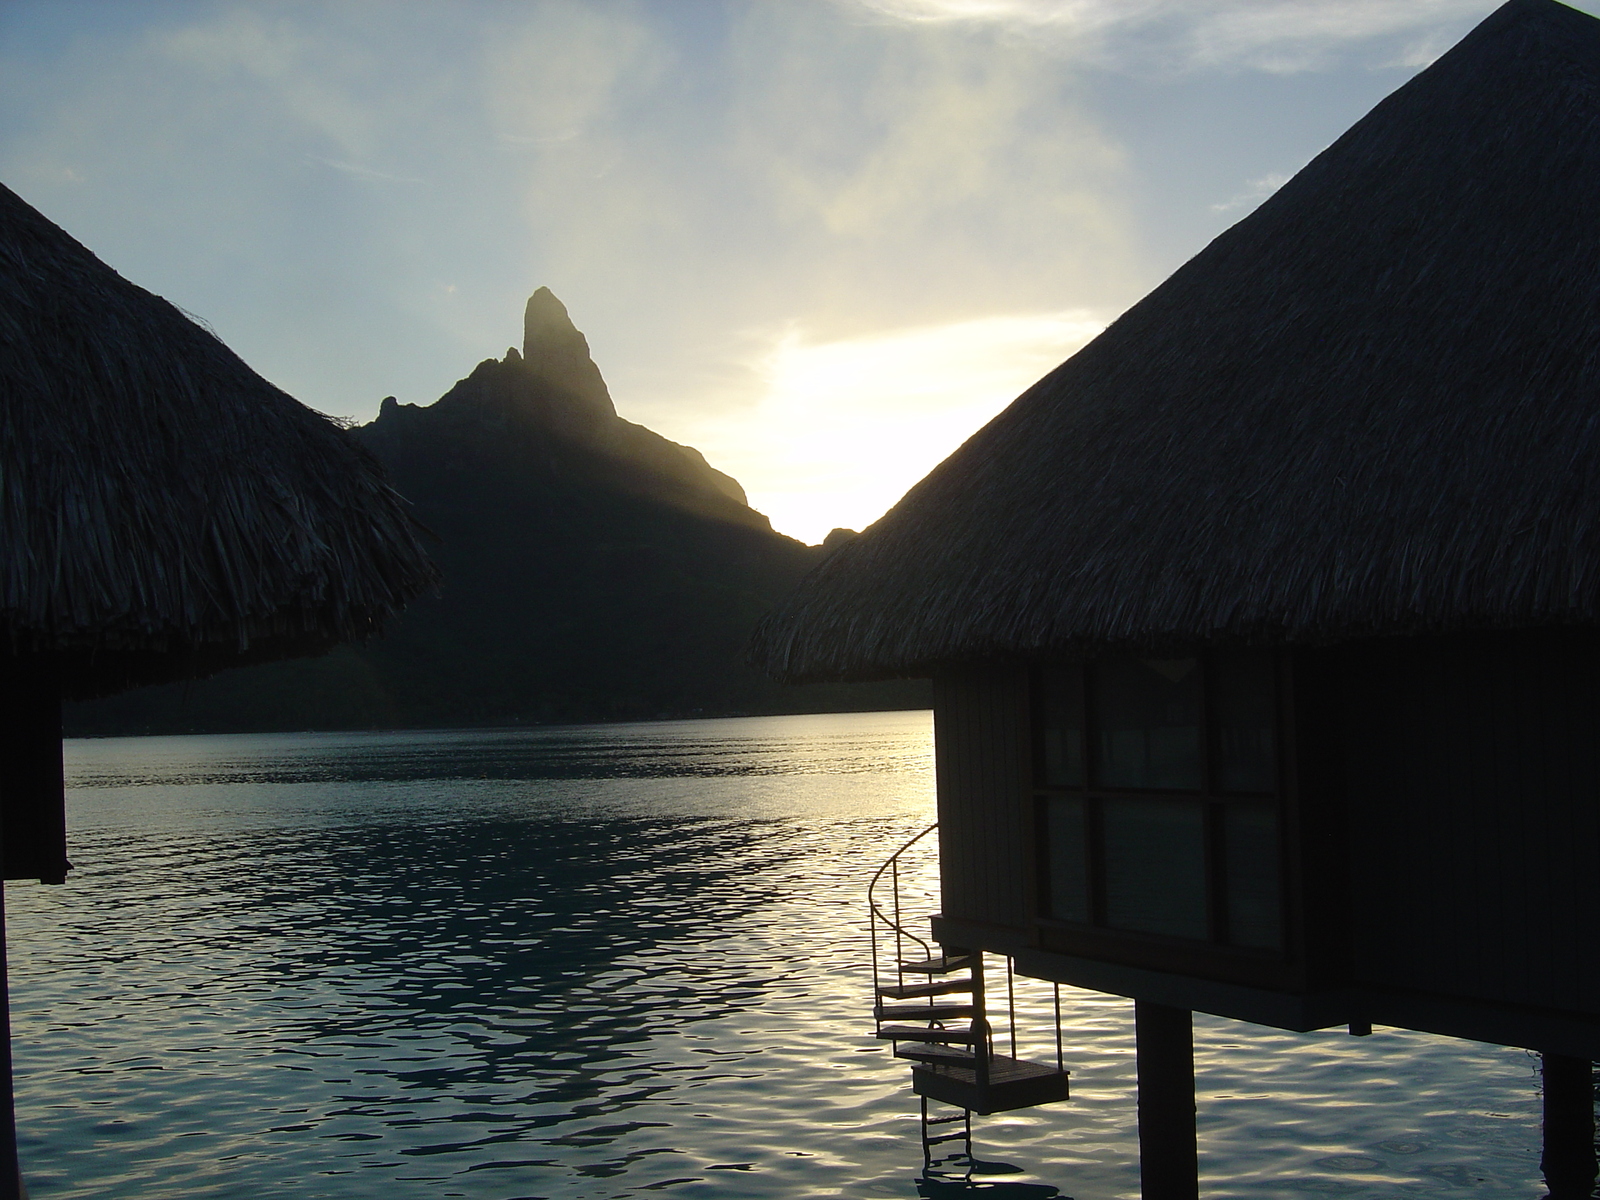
[600,962]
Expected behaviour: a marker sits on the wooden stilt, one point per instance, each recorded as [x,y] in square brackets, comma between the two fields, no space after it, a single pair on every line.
[33,840]
[10,1170]
[31,785]
[1568,1161]
[1169,1166]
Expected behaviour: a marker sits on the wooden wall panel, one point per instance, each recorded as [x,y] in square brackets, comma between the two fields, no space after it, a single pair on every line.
[1473,768]
[982,755]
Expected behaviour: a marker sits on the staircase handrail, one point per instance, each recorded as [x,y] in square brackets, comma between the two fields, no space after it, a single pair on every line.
[876,913]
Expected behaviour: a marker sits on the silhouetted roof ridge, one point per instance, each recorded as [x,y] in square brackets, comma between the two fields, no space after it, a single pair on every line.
[163,509]
[1370,407]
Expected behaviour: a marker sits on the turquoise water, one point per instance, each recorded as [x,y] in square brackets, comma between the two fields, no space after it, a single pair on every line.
[599,962]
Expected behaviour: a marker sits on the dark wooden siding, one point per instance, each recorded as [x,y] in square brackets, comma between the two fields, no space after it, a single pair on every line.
[981,750]
[1473,775]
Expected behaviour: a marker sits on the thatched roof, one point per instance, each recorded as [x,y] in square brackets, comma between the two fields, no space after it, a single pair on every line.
[163,509]
[1370,407]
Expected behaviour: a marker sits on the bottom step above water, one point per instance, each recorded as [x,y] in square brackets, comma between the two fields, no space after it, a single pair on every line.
[1012,1083]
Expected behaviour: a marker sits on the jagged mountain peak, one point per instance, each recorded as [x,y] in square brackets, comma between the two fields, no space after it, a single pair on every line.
[550,403]
[557,353]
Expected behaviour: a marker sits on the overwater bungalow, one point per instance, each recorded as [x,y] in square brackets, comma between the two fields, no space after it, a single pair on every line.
[165,512]
[1263,630]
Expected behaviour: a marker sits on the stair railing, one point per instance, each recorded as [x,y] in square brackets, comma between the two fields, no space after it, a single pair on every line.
[878,917]
[983,1041]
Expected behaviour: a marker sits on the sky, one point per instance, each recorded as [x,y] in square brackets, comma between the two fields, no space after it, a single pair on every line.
[823,241]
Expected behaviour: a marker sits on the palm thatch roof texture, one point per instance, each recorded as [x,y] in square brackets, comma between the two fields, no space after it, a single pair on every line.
[1371,407]
[163,509]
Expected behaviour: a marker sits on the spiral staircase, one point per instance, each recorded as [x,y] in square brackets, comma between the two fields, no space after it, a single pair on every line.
[930,1003]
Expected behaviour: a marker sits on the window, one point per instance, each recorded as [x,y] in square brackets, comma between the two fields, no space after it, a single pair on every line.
[1157,784]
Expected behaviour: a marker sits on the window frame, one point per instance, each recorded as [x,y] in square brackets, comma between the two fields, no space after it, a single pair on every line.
[1215,954]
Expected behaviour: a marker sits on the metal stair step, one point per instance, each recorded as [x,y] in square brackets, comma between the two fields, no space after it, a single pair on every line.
[920,1033]
[944,1137]
[938,966]
[931,1053]
[924,1053]
[937,987]
[960,1116]
[921,1012]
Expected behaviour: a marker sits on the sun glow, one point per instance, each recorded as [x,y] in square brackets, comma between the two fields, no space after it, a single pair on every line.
[843,428]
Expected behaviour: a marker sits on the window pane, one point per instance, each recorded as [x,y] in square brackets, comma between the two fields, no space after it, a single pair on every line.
[1255,906]
[1242,694]
[1147,723]
[1061,726]
[1155,855]
[1067,870]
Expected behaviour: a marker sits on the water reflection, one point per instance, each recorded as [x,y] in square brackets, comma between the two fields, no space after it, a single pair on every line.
[825,744]
[474,965]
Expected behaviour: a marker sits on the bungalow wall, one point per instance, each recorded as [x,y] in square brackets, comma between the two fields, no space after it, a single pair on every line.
[1472,782]
[983,764]
[1444,805]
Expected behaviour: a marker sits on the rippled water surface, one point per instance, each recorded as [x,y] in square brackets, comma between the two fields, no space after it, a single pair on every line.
[599,962]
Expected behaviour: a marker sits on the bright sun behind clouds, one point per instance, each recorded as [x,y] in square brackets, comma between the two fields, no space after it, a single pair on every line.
[844,428]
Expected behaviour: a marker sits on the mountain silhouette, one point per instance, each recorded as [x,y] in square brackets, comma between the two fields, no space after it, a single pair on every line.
[593,570]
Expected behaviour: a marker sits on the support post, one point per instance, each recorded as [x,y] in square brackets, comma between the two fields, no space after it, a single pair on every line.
[1568,1161]
[1169,1167]
[10,1169]
[33,839]
[32,788]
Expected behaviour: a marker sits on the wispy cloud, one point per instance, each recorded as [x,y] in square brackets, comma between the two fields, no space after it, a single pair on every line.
[935,124]
[1255,191]
[275,58]
[1272,35]
[361,172]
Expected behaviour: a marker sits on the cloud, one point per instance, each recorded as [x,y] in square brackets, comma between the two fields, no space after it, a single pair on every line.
[572,91]
[566,70]
[274,60]
[361,172]
[916,175]
[1255,191]
[843,428]
[1187,35]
